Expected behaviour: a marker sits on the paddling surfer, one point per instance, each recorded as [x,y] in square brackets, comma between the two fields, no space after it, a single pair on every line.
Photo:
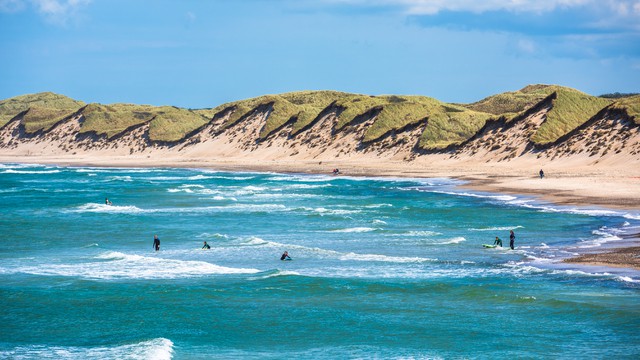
[206,246]
[498,242]
[285,256]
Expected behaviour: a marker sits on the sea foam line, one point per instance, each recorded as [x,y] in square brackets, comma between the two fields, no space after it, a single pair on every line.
[159,348]
[127,266]
[325,253]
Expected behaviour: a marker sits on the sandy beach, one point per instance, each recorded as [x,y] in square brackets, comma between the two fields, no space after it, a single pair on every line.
[628,257]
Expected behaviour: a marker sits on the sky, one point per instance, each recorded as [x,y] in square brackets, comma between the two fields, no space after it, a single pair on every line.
[200,54]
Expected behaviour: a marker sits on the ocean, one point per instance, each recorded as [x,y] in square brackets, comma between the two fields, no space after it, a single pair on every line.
[382,268]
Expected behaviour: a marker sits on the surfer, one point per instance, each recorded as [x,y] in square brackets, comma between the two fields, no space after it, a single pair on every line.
[156,242]
[107,202]
[512,239]
[206,246]
[498,242]
[285,256]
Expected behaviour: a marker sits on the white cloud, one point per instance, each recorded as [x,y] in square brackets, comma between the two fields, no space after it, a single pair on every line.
[427,7]
[432,7]
[55,11]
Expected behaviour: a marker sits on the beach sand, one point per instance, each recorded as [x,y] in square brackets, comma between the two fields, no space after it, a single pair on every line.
[628,257]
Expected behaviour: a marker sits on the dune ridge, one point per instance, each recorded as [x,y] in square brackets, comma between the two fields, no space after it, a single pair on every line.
[588,146]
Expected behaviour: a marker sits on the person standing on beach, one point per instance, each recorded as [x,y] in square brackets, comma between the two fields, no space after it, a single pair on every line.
[156,242]
[512,239]
[541,174]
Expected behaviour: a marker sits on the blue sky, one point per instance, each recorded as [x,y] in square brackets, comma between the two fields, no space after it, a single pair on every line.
[199,54]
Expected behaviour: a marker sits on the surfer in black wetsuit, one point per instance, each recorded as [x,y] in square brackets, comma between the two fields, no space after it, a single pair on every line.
[498,242]
[285,256]
[512,239]
[107,202]
[206,246]
[156,242]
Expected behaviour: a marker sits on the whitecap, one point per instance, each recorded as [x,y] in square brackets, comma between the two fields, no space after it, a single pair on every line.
[497,228]
[157,349]
[275,273]
[12,171]
[354,230]
[103,208]
[130,266]
[456,240]
[422,233]
[383,258]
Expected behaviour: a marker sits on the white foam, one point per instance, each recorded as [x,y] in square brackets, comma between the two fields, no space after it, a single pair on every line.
[474,195]
[180,190]
[456,240]
[120,178]
[355,230]
[116,265]
[156,349]
[422,233]
[325,253]
[199,177]
[275,274]
[383,258]
[97,208]
[104,208]
[377,206]
[324,211]
[498,228]
[12,171]
[307,186]
[632,216]
[379,222]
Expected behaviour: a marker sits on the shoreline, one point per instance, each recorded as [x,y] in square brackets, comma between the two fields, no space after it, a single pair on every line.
[624,257]
[584,187]
[616,188]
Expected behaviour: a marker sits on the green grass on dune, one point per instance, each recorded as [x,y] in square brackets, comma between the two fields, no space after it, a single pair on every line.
[310,105]
[172,123]
[450,125]
[507,104]
[113,119]
[570,109]
[446,124]
[48,105]
[631,105]
[43,118]
[303,106]
[166,123]
[399,112]
[355,105]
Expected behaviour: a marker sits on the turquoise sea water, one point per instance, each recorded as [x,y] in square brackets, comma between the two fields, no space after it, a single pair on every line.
[382,268]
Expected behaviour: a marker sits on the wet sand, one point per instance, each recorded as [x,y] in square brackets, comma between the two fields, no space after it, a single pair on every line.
[628,257]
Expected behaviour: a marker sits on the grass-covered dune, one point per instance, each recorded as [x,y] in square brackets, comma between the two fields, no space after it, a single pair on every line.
[443,124]
[43,110]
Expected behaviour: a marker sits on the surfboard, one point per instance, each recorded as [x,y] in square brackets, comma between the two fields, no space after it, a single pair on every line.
[489,246]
